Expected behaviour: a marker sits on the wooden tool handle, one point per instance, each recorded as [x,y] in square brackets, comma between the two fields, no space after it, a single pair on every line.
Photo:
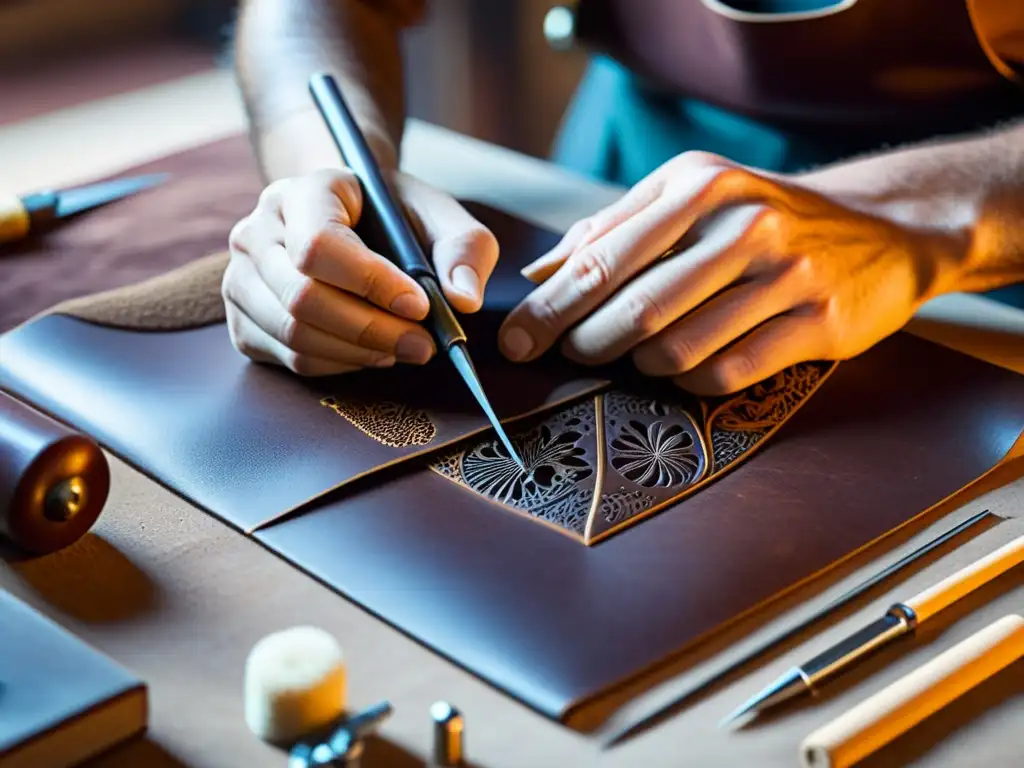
[926,604]
[14,218]
[878,720]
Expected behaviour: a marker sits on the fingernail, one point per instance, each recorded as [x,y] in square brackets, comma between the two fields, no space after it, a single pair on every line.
[385,361]
[517,343]
[410,305]
[413,348]
[465,280]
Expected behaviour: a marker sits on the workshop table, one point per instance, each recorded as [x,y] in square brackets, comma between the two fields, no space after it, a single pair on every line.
[179,598]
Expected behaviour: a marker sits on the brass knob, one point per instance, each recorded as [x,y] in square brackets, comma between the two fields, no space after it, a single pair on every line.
[560,26]
[64,500]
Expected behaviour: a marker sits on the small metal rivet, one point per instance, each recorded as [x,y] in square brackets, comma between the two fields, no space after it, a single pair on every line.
[64,500]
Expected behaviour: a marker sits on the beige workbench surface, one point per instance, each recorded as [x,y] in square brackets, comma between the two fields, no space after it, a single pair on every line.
[180,598]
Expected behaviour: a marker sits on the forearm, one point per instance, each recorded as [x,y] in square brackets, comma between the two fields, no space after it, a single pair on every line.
[972,188]
[280,44]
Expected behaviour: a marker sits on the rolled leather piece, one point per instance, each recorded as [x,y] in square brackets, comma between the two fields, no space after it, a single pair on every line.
[53,481]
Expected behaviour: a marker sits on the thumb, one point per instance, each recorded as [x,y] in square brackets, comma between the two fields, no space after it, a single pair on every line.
[465,252]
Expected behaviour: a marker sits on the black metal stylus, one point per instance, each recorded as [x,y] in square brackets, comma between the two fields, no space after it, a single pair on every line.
[408,253]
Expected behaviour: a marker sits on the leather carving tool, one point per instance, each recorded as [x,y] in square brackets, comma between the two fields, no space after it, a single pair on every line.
[408,253]
[901,619]
[663,712]
[880,719]
[38,212]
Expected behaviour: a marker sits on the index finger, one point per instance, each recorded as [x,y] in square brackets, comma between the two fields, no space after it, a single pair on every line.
[320,241]
[586,280]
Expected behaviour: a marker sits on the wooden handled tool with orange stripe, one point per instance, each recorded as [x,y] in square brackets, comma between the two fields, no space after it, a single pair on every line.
[21,216]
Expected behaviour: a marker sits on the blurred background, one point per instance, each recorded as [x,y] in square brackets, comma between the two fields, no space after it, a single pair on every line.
[481,67]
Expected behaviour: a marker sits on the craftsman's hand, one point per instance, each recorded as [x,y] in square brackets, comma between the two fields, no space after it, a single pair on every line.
[777,274]
[303,291]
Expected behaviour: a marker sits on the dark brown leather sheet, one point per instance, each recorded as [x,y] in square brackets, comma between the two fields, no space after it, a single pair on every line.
[554,623]
[505,594]
[715,505]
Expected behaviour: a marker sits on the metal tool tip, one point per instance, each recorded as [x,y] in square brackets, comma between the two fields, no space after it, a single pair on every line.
[790,684]
[740,716]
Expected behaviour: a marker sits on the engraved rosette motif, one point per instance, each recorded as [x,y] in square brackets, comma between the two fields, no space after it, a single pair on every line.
[597,466]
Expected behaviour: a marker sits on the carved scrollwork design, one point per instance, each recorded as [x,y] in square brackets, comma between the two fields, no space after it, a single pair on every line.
[742,421]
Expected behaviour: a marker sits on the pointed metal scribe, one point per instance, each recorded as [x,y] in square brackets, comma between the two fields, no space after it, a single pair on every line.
[460,356]
[790,685]
[408,253]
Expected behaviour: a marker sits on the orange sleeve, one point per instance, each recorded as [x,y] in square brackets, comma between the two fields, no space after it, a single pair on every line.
[999,25]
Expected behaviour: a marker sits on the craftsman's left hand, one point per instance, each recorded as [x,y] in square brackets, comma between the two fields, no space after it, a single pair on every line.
[782,275]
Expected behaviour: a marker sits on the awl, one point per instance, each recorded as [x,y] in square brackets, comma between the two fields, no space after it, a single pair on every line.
[901,619]
[408,253]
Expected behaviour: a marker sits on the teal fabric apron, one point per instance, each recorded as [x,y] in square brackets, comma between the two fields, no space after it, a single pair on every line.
[617,130]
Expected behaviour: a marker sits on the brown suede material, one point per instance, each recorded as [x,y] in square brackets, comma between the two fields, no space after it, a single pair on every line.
[129,242]
[185,298]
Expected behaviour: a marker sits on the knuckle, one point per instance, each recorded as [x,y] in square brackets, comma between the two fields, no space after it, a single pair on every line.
[307,256]
[290,332]
[271,194]
[228,281]
[831,312]
[804,269]
[545,314]
[343,184]
[300,297]
[331,177]
[643,314]
[769,224]
[234,324]
[699,158]
[735,371]
[833,329]
[371,335]
[591,270]
[296,363]
[374,286]
[681,355]
[239,235]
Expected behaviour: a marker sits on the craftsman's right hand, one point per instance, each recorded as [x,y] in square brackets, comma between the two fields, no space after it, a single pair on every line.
[302,290]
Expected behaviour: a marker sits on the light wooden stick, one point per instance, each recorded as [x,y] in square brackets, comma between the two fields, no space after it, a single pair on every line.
[892,711]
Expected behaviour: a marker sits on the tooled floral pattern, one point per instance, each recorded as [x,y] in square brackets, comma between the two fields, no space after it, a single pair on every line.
[553,460]
[652,455]
[555,465]
[655,447]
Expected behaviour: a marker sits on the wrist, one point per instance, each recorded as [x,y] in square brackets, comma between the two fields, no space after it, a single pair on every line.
[301,144]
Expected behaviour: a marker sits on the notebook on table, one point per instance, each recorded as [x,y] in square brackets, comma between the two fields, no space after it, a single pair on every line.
[62,701]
